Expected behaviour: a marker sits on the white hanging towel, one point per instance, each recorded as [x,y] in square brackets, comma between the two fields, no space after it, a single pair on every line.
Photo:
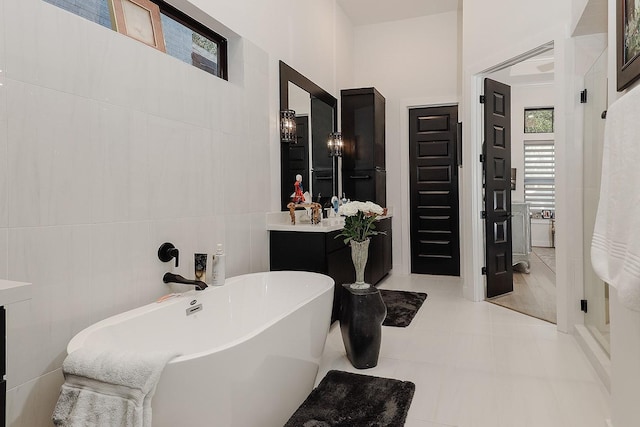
[615,248]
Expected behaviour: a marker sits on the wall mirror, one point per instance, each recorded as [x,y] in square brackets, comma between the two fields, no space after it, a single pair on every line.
[316,117]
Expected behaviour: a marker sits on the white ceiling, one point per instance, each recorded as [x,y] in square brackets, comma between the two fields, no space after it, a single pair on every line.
[539,69]
[365,12]
[536,70]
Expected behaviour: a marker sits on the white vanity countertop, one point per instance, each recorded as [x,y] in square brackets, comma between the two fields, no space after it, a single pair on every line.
[11,292]
[280,221]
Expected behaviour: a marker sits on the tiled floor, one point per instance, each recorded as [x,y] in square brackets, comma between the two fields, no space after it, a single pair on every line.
[479,364]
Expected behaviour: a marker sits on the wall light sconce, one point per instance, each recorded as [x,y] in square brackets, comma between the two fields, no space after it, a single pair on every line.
[334,144]
[288,126]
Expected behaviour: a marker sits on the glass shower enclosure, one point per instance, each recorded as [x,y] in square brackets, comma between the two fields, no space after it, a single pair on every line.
[596,292]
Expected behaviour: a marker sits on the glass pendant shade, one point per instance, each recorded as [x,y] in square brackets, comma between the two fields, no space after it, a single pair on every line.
[288,126]
[334,144]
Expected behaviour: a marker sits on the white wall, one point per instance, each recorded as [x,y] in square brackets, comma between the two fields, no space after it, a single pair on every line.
[313,37]
[498,30]
[412,62]
[625,324]
[110,148]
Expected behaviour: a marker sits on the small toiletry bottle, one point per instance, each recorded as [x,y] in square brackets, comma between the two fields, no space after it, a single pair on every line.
[200,264]
[218,267]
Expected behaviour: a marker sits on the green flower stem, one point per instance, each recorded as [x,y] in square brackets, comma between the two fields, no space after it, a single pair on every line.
[359,227]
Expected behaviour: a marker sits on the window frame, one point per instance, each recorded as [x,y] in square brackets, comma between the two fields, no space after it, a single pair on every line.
[184,19]
[527,110]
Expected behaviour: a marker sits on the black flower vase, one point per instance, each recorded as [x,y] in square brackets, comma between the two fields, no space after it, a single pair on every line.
[362,312]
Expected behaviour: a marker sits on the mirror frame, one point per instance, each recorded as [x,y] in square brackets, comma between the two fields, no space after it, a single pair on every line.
[288,74]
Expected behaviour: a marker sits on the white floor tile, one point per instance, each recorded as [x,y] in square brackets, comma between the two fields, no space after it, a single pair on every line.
[481,365]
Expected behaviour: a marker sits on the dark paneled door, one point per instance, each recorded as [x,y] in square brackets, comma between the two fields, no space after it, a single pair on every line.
[435,229]
[497,191]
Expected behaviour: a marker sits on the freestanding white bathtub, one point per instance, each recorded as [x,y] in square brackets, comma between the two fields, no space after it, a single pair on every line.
[249,356]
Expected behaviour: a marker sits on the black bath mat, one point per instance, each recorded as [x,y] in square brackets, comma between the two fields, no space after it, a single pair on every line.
[402,306]
[344,399]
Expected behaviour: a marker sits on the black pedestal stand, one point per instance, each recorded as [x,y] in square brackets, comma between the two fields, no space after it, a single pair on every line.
[362,312]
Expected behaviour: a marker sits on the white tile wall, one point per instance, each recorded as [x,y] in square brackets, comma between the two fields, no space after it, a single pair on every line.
[4,221]
[108,149]
[38,393]
[4,212]
[4,247]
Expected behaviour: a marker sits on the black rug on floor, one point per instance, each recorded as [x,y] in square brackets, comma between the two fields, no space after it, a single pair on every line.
[344,399]
[402,306]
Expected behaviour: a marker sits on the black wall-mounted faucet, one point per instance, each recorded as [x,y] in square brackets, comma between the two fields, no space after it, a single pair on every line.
[167,252]
[176,278]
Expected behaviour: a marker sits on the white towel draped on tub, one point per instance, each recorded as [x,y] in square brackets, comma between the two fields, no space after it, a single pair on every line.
[615,248]
[104,388]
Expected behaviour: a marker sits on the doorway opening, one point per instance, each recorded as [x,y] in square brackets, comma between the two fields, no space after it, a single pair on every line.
[531,210]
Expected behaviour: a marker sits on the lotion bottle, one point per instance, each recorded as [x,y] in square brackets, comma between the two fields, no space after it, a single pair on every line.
[218,272]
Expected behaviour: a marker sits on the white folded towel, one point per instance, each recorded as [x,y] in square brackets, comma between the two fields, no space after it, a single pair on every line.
[104,388]
[615,248]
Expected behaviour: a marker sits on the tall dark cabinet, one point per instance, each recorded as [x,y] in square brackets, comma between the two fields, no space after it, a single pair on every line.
[364,175]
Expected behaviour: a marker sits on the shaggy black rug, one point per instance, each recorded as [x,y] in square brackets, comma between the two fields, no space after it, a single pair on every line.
[344,399]
[402,306]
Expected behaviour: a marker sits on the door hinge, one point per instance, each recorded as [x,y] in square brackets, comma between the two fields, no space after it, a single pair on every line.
[482,99]
[583,96]
[483,214]
[481,158]
[484,271]
[583,305]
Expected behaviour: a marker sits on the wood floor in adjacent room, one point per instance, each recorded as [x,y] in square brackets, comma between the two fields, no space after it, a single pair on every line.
[534,293]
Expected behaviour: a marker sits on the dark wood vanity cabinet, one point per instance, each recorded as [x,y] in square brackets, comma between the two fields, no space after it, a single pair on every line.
[363,132]
[324,253]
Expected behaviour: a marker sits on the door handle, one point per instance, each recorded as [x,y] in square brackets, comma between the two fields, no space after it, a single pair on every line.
[505,215]
[360,176]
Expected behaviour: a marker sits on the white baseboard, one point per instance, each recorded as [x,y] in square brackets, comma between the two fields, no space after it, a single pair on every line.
[596,355]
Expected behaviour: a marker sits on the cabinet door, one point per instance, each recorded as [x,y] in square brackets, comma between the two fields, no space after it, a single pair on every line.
[340,269]
[363,128]
[380,261]
[387,239]
[374,271]
[359,185]
[358,131]
[292,250]
[365,185]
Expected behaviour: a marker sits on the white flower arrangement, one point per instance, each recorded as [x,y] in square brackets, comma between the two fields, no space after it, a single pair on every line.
[360,219]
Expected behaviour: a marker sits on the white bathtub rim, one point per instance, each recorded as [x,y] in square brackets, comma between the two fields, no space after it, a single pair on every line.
[80,338]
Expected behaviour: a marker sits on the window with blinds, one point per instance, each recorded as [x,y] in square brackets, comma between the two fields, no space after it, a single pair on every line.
[539,175]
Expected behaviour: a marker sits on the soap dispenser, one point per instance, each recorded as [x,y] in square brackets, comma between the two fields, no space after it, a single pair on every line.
[218,273]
